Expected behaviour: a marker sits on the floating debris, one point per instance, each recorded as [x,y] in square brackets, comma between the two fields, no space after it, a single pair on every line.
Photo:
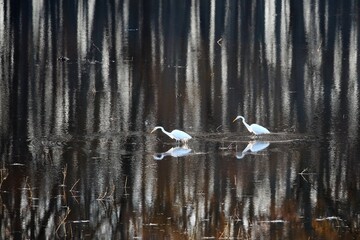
[17,164]
[273,221]
[63,59]
[80,221]
[151,224]
[329,219]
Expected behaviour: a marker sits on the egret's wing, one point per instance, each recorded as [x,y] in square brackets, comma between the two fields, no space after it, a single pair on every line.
[180,134]
[259,129]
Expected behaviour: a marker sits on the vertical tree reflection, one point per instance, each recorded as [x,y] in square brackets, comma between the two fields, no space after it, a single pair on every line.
[82,83]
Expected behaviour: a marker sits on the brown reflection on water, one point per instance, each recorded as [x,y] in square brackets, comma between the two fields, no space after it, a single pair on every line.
[83,83]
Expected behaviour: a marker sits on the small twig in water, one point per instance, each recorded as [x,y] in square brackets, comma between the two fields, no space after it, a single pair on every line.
[222,233]
[102,196]
[97,48]
[111,194]
[28,187]
[125,182]
[302,173]
[230,145]
[64,175]
[125,186]
[62,222]
[72,188]
[4,173]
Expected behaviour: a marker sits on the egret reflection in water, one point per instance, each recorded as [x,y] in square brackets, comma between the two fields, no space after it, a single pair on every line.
[252,147]
[173,152]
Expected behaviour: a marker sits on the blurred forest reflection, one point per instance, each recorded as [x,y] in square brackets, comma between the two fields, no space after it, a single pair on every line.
[82,83]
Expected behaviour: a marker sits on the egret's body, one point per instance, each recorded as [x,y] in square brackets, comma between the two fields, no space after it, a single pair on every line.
[178,135]
[253,128]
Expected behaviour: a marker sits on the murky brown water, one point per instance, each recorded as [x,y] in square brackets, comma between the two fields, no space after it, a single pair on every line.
[82,84]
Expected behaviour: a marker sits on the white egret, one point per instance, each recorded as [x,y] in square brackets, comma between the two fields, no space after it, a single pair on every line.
[178,135]
[254,128]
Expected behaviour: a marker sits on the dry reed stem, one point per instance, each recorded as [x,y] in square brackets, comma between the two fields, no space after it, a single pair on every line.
[62,222]
[102,196]
[64,174]
[73,186]
[29,189]
[4,173]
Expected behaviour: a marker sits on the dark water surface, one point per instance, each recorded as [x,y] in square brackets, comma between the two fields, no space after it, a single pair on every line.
[82,84]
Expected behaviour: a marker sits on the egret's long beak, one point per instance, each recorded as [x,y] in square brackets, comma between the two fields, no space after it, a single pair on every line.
[153,130]
[235,119]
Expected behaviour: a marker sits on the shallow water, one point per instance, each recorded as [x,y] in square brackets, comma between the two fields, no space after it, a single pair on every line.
[84,83]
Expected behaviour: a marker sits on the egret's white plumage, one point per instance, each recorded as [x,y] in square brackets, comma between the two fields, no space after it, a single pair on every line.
[254,128]
[178,135]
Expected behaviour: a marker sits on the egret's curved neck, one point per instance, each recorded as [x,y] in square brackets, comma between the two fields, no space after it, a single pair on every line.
[246,125]
[166,132]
